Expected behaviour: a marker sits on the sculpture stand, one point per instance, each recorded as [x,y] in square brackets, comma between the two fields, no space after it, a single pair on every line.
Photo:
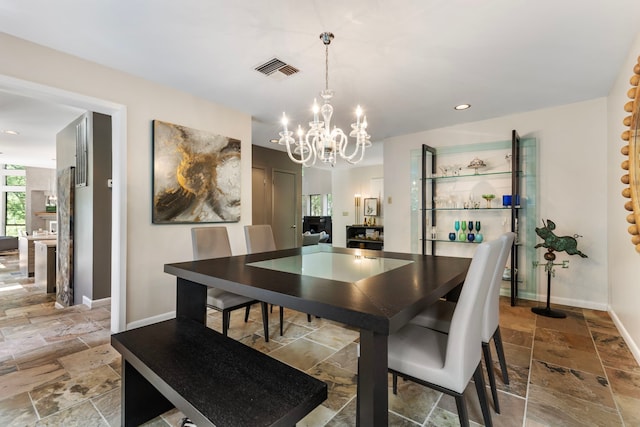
[548,266]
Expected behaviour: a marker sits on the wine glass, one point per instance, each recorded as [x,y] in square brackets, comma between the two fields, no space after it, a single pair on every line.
[488,198]
[464,226]
[470,226]
[479,236]
[456,225]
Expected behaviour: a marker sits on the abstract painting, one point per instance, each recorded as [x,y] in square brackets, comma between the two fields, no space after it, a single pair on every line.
[196,175]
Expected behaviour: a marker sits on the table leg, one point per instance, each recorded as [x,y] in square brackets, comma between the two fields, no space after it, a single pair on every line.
[372,380]
[191,300]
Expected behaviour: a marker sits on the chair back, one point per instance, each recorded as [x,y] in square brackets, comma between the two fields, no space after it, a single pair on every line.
[464,342]
[491,314]
[259,238]
[210,242]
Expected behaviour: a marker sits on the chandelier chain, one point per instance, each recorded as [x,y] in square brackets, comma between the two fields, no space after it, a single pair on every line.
[326,66]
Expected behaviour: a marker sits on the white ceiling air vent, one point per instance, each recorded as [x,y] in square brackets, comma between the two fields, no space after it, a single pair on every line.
[276,68]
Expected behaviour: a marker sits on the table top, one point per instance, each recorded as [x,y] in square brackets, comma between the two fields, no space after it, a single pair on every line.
[373,290]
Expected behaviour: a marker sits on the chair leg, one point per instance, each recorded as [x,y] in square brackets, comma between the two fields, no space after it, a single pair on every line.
[463,415]
[308,318]
[497,340]
[395,382]
[265,320]
[488,361]
[226,316]
[281,318]
[478,378]
[246,313]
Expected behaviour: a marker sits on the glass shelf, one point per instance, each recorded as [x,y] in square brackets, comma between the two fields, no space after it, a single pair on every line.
[452,241]
[469,175]
[463,241]
[501,208]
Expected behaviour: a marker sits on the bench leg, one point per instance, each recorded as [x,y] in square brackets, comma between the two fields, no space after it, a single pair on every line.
[141,401]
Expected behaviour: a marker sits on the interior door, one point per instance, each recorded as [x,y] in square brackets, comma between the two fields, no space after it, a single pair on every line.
[285,212]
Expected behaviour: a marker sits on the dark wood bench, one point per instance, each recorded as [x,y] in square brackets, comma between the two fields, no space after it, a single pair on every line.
[212,379]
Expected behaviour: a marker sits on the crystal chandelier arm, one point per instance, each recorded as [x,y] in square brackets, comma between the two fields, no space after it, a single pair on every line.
[301,148]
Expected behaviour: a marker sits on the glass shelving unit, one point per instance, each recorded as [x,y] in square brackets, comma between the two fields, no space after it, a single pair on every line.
[453,192]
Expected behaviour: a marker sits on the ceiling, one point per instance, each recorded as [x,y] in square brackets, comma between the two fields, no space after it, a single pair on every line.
[407,63]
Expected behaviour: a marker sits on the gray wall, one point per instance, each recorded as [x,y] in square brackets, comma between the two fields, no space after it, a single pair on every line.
[269,160]
[92,216]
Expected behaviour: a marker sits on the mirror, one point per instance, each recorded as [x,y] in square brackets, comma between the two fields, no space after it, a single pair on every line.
[632,163]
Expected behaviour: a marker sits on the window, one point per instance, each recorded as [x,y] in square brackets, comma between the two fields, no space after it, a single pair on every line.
[315,201]
[317,205]
[13,200]
[15,212]
[10,181]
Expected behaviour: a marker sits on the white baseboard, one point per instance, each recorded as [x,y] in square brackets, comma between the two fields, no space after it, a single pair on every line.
[151,320]
[633,346]
[95,303]
[506,292]
[575,303]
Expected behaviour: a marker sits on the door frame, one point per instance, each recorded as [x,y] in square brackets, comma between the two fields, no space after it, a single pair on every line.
[118,113]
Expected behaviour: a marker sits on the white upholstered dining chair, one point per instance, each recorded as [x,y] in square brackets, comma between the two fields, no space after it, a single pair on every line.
[447,362]
[438,316]
[259,238]
[213,242]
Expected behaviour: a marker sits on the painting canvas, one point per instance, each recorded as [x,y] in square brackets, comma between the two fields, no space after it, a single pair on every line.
[196,175]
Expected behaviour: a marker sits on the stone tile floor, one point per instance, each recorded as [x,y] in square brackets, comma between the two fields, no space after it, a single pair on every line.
[58,369]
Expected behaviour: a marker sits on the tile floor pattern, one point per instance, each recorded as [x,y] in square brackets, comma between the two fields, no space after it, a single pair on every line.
[58,369]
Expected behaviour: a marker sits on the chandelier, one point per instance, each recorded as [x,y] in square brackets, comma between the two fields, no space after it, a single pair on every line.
[320,142]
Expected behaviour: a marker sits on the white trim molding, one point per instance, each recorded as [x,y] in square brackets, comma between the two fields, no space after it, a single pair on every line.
[96,303]
[151,320]
[633,346]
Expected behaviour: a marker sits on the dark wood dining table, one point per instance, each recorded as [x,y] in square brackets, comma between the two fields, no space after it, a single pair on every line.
[375,291]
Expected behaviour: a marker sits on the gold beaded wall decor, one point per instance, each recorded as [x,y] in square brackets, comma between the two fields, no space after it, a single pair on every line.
[632,164]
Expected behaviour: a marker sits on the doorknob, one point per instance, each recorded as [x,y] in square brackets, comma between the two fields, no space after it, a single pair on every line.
[293,226]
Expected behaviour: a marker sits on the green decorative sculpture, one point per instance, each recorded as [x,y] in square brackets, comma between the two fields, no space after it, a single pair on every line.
[551,241]
[554,243]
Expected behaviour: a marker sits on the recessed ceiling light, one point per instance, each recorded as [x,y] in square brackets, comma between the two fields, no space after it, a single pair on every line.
[274,140]
[11,132]
[462,107]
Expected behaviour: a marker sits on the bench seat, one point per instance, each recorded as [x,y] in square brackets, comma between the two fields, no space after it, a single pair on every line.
[212,379]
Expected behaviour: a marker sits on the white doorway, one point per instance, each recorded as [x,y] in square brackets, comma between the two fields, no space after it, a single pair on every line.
[119,177]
